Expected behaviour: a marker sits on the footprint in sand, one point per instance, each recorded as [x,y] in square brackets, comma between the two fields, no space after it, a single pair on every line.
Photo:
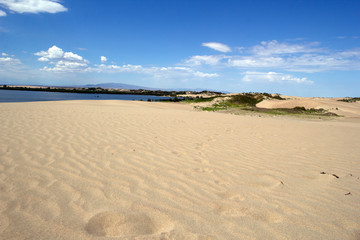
[264,216]
[231,195]
[202,161]
[243,211]
[221,182]
[204,170]
[231,211]
[199,146]
[117,224]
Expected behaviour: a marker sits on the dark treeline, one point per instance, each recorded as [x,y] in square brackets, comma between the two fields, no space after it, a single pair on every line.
[99,90]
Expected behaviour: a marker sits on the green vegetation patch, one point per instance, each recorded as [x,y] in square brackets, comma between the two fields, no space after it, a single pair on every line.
[350,100]
[247,103]
[295,111]
[198,99]
[251,99]
[245,99]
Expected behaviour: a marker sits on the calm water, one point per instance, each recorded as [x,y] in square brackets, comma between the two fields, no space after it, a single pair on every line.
[31,96]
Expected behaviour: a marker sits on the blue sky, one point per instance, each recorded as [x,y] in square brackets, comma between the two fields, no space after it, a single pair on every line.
[305,48]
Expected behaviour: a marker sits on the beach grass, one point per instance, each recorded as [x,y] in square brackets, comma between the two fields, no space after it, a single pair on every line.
[247,103]
[350,99]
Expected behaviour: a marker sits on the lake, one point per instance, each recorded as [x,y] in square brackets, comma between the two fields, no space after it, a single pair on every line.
[33,96]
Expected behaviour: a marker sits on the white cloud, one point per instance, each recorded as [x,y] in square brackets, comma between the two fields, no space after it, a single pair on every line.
[297,63]
[205,75]
[255,62]
[69,56]
[10,64]
[240,49]
[43,59]
[274,55]
[156,72]
[67,67]
[9,60]
[103,59]
[33,6]
[351,53]
[217,46]
[272,77]
[63,61]
[12,68]
[2,13]
[183,73]
[52,53]
[274,47]
[115,68]
[205,59]
[318,63]
[263,62]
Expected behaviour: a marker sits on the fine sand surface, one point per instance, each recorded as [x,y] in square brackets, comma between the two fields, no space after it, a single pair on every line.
[139,170]
[349,110]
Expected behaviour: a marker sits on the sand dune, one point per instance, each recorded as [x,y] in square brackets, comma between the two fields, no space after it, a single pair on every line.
[139,170]
[349,110]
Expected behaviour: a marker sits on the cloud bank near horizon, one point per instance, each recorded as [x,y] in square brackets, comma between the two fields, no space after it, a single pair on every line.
[59,62]
[268,62]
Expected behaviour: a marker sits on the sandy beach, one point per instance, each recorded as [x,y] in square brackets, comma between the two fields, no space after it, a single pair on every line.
[147,170]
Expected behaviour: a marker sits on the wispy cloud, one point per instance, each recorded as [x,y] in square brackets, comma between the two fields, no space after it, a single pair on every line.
[274,55]
[351,53]
[255,61]
[2,13]
[12,68]
[204,59]
[33,6]
[272,77]
[113,68]
[274,47]
[4,30]
[9,63]
[217,46]
[156,72]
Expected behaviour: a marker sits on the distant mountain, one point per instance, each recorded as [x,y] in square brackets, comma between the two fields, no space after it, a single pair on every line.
[194,90]
[128,86]
[117,86]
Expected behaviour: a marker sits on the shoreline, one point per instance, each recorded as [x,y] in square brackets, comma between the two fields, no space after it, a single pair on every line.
[99,90]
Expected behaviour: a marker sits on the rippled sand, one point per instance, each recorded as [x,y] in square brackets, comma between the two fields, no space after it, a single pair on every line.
[138,170]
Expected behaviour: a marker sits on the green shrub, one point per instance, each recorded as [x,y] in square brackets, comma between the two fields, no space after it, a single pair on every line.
[349,99]
[245,100]
[299,109]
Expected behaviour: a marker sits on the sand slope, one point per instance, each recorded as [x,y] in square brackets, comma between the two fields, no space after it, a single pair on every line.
[346,109]
[138,170]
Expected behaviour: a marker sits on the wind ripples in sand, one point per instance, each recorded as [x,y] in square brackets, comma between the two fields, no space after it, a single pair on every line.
[89,169]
